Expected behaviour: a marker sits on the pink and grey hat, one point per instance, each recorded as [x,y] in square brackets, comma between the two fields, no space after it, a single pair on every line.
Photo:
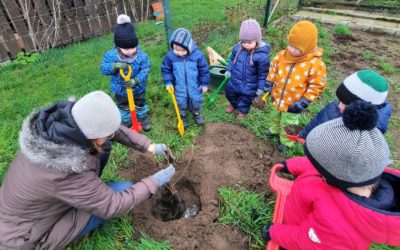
[250,30]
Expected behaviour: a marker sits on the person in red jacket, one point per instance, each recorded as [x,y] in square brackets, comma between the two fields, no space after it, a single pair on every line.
[345,196]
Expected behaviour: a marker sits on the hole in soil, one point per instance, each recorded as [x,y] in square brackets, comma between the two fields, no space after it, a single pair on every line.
[186,204]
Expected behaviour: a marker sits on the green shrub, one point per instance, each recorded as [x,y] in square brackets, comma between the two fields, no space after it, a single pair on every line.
[24,59]
[368,55]
[342,30]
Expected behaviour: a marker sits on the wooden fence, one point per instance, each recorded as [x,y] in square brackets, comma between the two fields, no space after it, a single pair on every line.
[35,25]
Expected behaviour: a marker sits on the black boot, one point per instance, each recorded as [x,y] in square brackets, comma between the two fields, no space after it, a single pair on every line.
[282,148]
[185,120]
[198,119]
[146,124]
[268,133]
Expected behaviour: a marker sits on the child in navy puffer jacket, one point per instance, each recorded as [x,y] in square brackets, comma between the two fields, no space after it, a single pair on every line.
[185,68]
[366,85]
[128,53]
[248,68]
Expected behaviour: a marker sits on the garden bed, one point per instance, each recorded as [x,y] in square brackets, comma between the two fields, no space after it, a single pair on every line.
[225,155]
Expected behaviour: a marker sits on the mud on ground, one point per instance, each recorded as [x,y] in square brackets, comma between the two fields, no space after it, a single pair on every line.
[351,56]
[224,155]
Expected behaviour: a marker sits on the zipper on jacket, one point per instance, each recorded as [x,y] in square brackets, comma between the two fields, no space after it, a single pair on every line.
[186,83]
[284,86]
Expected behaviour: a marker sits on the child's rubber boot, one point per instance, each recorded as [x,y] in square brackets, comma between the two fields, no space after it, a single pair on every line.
[240,116]
[146,124]
[185,120]
[282,148]
[268,133]
[198,119]
[230,109]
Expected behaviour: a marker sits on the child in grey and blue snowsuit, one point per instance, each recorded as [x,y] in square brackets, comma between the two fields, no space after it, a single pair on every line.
[127,52]
[186,69]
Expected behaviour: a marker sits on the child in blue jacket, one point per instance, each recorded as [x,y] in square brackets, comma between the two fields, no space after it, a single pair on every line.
[248,68]
[185,68]
[127,52]
[366,85]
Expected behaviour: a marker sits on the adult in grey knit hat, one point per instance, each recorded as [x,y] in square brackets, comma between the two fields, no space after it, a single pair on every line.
[52,193]
[250,30]
[349,151]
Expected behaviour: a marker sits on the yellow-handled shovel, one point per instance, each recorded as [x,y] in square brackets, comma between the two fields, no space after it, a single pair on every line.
[181,128]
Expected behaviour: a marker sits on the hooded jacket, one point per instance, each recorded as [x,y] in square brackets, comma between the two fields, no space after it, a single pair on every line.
[52,186]
[248,69]
[320,216]
[187,74]
[331,111]
[140,70]
[294,81]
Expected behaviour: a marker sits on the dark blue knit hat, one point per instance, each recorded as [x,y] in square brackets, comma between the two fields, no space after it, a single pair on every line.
[124,33]
[183,38]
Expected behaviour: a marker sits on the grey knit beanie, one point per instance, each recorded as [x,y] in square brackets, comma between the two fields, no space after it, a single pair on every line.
[349,151]
[250,30]
[96,115]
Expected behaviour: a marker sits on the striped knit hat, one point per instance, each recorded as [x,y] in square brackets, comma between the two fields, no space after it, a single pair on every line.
[366,85]
[183,38]
[124,33]
[349,151]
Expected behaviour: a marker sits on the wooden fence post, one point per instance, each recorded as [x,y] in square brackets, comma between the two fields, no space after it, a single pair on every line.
[17,20]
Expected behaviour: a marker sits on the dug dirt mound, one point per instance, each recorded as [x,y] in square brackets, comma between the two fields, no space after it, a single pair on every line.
[225,155]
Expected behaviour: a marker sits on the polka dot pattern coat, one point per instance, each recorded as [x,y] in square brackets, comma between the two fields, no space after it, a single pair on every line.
[293,81]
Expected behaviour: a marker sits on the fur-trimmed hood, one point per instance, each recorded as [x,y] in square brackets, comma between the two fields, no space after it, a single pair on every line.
[64,157]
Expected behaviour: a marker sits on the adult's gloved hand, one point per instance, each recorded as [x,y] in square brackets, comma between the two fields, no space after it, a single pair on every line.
[299,106]
[165,175]
[131,83]
[227,74]
[159,149]
[119,65]
[265,231]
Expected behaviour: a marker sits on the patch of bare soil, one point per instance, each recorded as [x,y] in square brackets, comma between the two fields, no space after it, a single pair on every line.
[351,56]
[224,155]
[350,49]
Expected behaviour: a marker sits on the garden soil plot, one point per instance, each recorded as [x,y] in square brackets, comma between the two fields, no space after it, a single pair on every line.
[363,50]
[224,155]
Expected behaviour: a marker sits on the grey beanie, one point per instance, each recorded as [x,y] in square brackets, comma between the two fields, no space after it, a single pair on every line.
[348,155]
[96,115]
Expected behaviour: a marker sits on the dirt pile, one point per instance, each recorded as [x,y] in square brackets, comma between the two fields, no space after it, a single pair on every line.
[224,155]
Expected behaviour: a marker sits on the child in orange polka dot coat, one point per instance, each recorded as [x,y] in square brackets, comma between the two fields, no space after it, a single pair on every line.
[296,78]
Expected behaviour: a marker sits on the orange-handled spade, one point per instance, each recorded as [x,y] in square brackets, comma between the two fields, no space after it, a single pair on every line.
[137,126]
[283,187]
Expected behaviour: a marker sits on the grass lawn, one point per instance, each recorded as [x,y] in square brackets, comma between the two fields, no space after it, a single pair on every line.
[74,71]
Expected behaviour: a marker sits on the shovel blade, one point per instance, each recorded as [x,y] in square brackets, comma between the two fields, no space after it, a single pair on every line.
[181,128]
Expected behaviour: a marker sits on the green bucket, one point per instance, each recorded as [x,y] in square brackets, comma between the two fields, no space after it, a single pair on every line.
[217,74]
